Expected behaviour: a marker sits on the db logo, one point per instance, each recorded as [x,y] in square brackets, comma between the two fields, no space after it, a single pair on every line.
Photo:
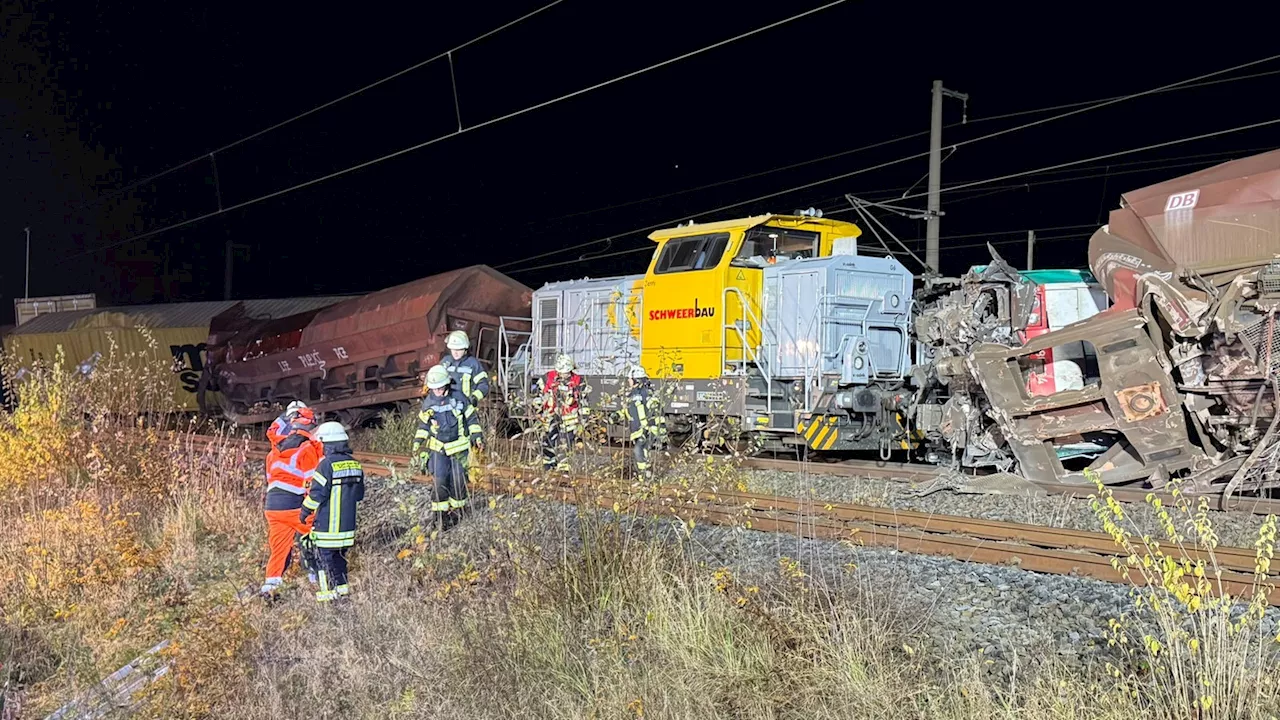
[1182,201]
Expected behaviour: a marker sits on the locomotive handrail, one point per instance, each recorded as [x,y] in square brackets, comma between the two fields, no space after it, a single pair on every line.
[747,352]
[505,353]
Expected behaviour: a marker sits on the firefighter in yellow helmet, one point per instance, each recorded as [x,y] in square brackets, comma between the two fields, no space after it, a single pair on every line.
[466,372]
[448,427]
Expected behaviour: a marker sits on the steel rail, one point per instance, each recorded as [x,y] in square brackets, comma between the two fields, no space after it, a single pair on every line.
[911,471]
[1029,547]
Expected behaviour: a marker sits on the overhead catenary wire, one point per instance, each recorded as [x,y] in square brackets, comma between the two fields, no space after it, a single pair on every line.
[633,251]
[974,183]
[900,138]
[887,163]
[1104,156]
[1154,164]
[469,128]
[288,121]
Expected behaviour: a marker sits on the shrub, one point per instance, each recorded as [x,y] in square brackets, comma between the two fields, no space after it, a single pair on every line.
[1194,648]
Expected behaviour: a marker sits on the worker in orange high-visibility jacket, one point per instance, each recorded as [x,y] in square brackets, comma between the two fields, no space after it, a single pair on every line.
[279,429]
[289,469]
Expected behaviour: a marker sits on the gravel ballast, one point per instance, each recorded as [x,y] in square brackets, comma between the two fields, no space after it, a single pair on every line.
[1234,528]
[1002,615]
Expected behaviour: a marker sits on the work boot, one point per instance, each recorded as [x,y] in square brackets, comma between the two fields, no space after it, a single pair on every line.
[449,519]
[270,587]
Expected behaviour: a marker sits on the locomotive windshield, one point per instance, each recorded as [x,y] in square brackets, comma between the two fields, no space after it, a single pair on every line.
[765,244]
[695,252]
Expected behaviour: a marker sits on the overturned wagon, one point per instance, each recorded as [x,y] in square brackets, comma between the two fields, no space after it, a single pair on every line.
[358,356]
[1184,382]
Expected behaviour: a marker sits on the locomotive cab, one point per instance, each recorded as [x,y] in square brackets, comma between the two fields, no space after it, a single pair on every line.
[777,322]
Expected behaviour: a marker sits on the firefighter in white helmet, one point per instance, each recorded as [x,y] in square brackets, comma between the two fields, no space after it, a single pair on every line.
[466,372]
[561,408]
[336,487]
[645,419]
[448,427]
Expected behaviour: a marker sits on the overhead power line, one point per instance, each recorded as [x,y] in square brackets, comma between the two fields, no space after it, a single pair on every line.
[900,138]
[1107,170]
[469,128]
[204,156]
[878,166]
[1104,156]
[974,183]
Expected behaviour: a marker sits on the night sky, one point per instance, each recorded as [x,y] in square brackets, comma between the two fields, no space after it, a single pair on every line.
[96,96]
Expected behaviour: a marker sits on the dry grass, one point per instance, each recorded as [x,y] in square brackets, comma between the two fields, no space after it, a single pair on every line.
[118,528]
[120,534]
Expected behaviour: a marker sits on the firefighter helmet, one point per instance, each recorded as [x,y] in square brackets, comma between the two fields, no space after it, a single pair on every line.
[636,372]
[564,364]
[457,340]
[295,406]
[437,377]
[331,432]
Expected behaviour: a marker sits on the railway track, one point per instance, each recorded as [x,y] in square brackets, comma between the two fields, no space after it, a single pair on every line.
[914,472]
[1029,547]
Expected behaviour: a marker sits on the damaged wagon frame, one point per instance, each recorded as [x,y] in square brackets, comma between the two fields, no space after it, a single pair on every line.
[1187,357]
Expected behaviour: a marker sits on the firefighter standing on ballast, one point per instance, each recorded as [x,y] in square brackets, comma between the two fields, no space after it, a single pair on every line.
[448,427]
[337,486]
[465,371]
[645,419]
[561,412]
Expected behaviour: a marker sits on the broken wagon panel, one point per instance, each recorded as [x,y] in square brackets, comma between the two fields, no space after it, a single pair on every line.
[1134,403]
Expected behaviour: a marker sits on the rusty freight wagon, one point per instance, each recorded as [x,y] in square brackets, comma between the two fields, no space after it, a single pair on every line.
[359,356]
[142,333]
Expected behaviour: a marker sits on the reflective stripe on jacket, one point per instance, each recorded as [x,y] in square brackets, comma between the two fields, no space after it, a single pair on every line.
[337,485]
[560,395]
[447,424]
[644,411]
[278,430]
[289,467]
[468,376]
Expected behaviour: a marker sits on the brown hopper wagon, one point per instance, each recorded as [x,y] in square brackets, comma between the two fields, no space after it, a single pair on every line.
[358,356]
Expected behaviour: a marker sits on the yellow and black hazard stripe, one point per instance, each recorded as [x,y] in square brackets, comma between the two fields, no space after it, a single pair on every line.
[912,439]
[819,432]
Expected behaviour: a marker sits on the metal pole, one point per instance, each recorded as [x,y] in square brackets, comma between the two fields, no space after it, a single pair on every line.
[932,226]
[1031,249]
[933,218]
[26,291]
[229,259]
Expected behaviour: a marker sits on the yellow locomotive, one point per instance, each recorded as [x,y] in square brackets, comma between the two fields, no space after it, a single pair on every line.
[774,320]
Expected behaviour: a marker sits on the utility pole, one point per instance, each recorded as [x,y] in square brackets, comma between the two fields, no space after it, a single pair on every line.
[229,251]
[1031,249]
[933,224]
[26,292]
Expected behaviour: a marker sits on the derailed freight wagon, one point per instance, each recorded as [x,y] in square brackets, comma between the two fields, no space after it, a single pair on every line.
[361,355]
[1188,356]
[994,303]
[163,332]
